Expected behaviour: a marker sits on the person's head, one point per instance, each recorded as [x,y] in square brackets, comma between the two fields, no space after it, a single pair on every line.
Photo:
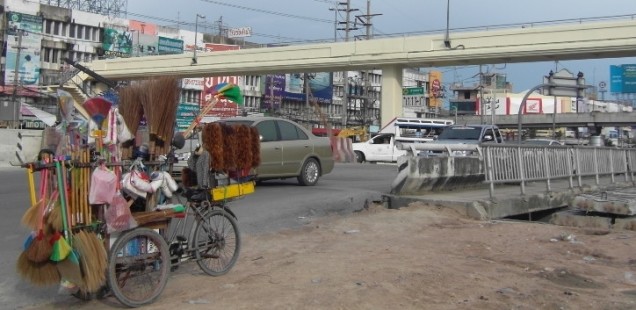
[27,57]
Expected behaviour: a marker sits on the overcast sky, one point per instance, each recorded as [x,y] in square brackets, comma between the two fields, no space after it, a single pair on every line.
[276,21]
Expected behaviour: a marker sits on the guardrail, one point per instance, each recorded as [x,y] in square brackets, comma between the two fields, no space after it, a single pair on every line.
[520,164]
[511,163]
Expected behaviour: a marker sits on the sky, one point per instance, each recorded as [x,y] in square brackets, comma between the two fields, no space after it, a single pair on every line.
[296,21]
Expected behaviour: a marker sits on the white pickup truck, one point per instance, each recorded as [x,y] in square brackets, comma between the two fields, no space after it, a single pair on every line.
[379,148]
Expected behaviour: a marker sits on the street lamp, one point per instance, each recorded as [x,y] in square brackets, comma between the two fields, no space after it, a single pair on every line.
[196,28]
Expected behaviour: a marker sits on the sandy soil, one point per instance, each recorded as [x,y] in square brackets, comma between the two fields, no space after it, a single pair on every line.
[420,257]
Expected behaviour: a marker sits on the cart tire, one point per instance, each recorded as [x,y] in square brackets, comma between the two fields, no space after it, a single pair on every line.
[217,242]
[138,267]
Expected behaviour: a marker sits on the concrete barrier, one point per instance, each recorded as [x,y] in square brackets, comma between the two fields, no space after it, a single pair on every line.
[422,175]
[14,142]
[342,150]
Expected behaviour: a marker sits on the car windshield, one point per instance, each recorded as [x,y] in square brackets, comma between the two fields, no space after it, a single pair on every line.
[460,133]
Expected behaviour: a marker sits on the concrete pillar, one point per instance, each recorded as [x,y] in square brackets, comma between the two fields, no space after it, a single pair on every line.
[391,94]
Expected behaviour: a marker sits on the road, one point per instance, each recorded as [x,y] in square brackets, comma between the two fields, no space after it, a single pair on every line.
[275,205]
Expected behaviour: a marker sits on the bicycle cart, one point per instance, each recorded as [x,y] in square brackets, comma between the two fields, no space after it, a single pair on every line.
[109,218]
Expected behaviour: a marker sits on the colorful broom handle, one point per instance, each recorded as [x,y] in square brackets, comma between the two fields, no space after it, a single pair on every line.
[31,185]
[197,120]
[62,193]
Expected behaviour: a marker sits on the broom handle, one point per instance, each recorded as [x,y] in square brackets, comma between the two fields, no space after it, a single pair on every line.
[31,185]
[60,189]
[195,122]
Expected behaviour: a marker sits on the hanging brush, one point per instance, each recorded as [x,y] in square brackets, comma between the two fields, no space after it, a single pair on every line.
[30,217]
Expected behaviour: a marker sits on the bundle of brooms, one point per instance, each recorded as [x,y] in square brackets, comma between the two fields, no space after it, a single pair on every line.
[131,110]
[160,108]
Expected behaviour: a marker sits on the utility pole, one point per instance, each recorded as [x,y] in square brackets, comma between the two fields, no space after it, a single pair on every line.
[16,73]
[366,22]
[345,78]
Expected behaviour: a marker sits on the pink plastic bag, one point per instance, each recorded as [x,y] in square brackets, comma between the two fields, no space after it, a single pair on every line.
[118,216]
[103,186]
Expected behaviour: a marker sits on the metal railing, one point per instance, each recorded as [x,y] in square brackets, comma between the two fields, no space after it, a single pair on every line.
[505,164]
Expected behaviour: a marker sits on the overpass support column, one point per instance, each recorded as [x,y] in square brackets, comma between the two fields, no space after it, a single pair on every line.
[391,106]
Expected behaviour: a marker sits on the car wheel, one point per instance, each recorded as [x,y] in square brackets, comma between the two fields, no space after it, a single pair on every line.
[359,156]
[310,173]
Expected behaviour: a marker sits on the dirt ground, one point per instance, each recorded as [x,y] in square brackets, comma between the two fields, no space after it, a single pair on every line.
[420,257]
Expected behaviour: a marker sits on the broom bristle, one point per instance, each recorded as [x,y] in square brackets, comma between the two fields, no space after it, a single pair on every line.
[31,217]
[40,274]
[40,249]
[92,261]
[54,219]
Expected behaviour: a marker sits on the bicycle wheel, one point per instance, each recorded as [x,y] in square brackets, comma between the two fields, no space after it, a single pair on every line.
[217,242]
[138,267]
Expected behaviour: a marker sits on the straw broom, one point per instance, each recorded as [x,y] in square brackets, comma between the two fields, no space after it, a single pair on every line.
[131,110]
[30,217]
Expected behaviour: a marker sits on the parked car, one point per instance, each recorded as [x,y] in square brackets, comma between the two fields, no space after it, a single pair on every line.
[288,150]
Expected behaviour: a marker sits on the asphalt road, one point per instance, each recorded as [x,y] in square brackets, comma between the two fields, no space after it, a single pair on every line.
[275,205]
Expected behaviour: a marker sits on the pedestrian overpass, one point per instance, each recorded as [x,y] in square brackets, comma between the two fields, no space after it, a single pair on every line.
[586,40]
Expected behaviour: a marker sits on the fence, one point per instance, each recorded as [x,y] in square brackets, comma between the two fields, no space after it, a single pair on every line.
[505,164]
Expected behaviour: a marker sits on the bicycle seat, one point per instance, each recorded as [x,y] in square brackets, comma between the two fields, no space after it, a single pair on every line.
[197,195]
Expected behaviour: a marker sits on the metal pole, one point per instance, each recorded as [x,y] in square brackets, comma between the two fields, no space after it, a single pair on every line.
[522,106]
[481,97]
[196,30]
[16,73]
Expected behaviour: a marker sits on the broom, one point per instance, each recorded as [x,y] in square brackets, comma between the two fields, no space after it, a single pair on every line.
[39,248]
[41,274]
[67,257]
[30,217]
[93,260]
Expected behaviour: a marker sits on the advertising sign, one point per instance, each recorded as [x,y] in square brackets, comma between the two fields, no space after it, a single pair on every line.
[274,88]
[239,32]
[186,113]
[223,108]
[435,89]
[623,79]
[24,37]
[167,46]
[192,83]
[117,43]
[320,85]
[629,78]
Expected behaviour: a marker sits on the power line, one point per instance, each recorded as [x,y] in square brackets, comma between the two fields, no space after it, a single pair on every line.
[321,20]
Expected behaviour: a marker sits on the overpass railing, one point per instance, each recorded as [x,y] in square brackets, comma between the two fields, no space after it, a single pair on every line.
[505,164]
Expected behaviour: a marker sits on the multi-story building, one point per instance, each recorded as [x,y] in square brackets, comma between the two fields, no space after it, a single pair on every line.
[39,38]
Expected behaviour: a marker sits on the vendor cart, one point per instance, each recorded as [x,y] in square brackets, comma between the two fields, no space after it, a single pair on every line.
[108,218]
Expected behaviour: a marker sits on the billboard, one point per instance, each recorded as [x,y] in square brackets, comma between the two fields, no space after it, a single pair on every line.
[273,94]
[24,38]
[623,79]
[167,46]
[117,43]
[320,85]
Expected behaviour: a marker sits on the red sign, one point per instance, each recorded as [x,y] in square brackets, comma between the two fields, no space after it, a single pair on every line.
[223,108]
